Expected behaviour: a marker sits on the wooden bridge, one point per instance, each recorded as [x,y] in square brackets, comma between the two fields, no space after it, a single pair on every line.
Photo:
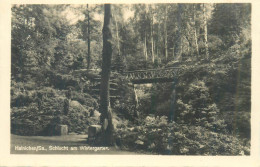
[152,75]
[138,76]
[135,77]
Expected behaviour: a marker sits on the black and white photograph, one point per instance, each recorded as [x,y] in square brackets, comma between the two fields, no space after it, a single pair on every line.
[129,83]
[137,79]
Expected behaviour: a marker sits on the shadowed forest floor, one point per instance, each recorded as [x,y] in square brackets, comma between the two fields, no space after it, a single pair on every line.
[67,141]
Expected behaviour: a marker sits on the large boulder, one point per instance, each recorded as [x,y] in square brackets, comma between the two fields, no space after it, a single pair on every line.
[76,106]
[95,113]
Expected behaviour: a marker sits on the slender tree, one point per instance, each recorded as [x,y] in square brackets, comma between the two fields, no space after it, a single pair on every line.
[165,34]
[205,32]
[117,34]
[89,56]
[152,27]
[195,30]
[178,43]
[145,47]
[89,31]
[105,110]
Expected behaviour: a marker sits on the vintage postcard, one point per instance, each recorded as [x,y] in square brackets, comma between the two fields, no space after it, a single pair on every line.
[111,83]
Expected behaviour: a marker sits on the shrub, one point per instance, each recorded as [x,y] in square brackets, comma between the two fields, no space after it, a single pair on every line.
[61,81]
[35,112]
[85,99]
[21,99]
[28,121]
[197,108]
[158,136]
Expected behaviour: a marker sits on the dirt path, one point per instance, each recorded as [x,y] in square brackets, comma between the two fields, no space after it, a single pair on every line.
[70,144]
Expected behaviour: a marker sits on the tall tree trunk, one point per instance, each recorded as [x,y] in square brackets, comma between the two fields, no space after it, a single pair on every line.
[152,42]
[195,31]
[145,48]
[189,42]
[178,44]
[105,110]
[173,52]
[165,35]
[89,56]
[136,102]
[205,32]
[117,36]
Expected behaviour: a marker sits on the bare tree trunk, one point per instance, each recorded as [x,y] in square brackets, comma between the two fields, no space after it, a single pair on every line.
[196,41]
[89,56]
[205,32]
[195,31]
[165,34]
[178,44]
[152,38]
[117,37]
[173,51]
[189,42]
[145,48]
[136,114]
[105,110]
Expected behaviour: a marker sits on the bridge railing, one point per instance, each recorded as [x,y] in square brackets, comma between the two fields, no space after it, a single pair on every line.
[138,76]
[152,73]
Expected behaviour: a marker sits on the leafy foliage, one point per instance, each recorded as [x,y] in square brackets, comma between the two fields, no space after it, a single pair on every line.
[198,109]
[35,112]
[158,136]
